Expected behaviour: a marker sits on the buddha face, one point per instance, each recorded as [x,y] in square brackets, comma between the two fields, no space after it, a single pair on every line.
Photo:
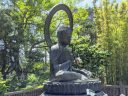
[64,37]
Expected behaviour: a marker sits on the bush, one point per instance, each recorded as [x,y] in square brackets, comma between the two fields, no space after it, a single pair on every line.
[93,58]
[3,88]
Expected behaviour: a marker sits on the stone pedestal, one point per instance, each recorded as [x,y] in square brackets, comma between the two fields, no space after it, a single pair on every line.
[77,88]
[61,95]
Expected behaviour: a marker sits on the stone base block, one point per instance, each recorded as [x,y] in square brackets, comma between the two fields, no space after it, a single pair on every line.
[71,88]
[61,95]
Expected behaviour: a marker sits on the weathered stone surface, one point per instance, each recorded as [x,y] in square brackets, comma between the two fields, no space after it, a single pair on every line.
[72,88]
[89,93]
[61,95]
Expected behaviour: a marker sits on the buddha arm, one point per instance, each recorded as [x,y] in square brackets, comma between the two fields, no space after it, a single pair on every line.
[64,66]
[54,61]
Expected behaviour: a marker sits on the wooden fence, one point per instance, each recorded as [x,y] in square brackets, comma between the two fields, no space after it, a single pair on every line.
[35,92]
[116,90]
[111,90]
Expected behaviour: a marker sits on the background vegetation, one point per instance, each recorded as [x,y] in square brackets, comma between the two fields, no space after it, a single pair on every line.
[99,39]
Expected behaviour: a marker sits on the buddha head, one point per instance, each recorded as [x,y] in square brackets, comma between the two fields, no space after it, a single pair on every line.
[64,35]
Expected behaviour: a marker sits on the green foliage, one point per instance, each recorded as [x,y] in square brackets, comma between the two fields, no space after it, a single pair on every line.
[32,78]
[111,27]
[7,35]
[93,58]
[3,88]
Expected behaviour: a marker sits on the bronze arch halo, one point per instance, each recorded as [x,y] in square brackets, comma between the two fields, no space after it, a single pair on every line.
[55,9]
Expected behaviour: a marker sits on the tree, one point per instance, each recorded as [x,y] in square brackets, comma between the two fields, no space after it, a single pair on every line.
[111,22]
[9,54]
